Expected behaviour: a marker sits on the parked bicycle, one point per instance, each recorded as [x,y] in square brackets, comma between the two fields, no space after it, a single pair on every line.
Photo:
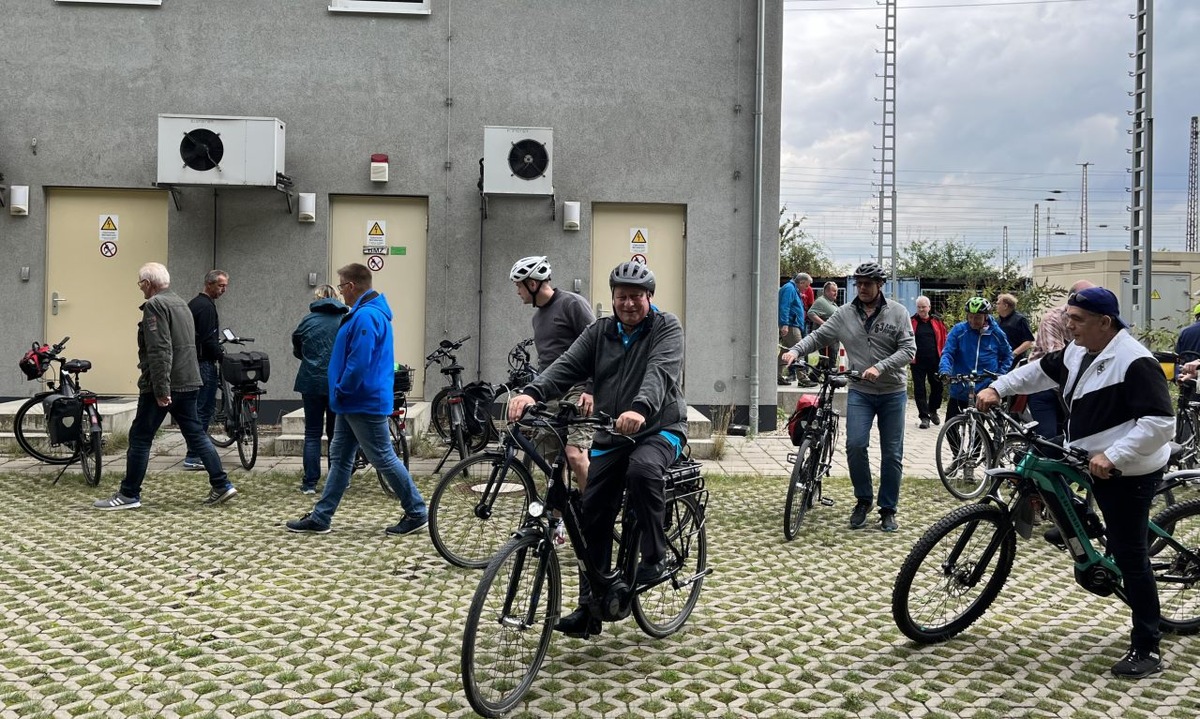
[397,425]
[959,565]
[512,615]
[973,441]
[813,428]
[1187,414]
[235,416]
[63,424]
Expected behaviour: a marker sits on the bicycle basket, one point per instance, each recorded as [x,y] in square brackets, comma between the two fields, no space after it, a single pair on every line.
[402,379]
[806,412]
[36,361]
[64,416]
[477,406]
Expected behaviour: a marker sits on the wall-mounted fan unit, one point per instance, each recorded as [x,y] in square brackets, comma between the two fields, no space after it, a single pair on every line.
[518,160]
[220,150]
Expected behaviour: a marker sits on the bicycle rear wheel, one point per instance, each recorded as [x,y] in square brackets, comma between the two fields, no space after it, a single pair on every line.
[218,426]
[953,573]
[439,414]
[1177,573]
[477,506]
[801,487]
[510,624]
[29,429]
[91,446]
[663,608]
[962,454]
[247,432]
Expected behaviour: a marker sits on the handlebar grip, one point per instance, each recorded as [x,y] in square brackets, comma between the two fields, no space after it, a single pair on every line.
[245,339]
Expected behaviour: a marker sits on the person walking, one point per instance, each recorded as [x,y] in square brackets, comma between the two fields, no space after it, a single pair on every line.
[878,338]
[929,332]
[822,309]
[208,350]
[169,383]
[312,343]
[361,377]
[791,318]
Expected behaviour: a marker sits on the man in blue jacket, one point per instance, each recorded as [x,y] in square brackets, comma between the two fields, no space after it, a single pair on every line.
[360,394]
[976,344]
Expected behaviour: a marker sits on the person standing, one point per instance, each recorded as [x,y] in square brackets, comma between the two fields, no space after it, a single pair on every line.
[208,350]
[1015,326]
[361,377]
[791,318]
[1046,407]
[878,338]
[822,309]
[169,383]
[977,344]
[1121,415]
[929,332]
[312,343]
[1189,337]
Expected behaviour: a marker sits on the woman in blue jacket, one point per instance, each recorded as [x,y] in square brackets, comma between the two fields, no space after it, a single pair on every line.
[312,343]
[976,344]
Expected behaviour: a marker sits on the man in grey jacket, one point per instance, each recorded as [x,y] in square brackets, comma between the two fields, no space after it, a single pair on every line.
[635,359]
[169,383]
[878,339]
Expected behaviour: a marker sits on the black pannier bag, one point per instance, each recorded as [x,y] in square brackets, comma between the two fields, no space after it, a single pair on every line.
[63,418]
[477,406]
[402,380]
[246,367]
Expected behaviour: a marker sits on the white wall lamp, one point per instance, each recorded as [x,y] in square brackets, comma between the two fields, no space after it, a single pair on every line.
[379,167]
[18,200]
[570,215]
[308,207]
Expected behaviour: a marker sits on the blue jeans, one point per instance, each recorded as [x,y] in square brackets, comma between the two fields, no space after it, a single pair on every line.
[147,420]
[1046,409]
[861,411]
[317,420]
[206,400]
[371,430]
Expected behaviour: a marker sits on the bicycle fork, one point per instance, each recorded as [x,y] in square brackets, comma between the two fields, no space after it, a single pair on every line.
[525,620]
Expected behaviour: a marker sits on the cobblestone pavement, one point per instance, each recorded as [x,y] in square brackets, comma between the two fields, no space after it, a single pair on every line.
[177,609]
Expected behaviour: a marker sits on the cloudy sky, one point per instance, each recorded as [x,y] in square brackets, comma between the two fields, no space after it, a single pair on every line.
[997,104]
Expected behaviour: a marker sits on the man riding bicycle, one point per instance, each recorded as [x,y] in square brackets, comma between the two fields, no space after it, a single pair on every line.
[635,360]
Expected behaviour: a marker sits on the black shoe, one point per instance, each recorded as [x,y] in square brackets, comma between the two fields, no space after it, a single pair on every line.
[887,521]
[579,624]
[1053,536]
[648,573]
[805,383]
[783,382]
[1137,663]
[924,423]
[933,417]
[858,518]
[307,524]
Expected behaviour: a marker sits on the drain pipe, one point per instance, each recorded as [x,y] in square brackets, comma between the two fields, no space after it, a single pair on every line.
[757,218]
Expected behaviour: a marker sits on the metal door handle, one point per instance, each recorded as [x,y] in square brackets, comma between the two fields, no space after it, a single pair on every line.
[54,301]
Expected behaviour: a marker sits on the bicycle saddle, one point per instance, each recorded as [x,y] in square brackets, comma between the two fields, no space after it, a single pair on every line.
[77,365]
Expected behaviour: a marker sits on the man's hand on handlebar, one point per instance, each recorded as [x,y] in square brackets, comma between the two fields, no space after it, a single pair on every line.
[1188,370]
[1101,466]
[986,399]
[517,406]
[586,404]
[629,423]
[789,357]
[870,374]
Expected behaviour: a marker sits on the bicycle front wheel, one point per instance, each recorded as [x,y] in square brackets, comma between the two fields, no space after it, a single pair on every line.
[663,608]
[218,426]
[247,432]
[963,453]
[399,445]
[953,573]
[477,506]
[1176,572]
[801,487]
[510,624]
[29,428]
[91,446]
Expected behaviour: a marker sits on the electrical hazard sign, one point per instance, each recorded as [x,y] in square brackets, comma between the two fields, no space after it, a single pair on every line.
[376,233]
[108,228]
[639,240]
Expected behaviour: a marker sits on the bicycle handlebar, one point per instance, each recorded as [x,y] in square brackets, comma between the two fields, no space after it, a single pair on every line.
[445,347]
[539,413]
[973,377]
[1073,457]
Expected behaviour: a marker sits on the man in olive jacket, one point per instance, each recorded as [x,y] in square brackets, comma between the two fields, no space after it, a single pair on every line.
[169,383]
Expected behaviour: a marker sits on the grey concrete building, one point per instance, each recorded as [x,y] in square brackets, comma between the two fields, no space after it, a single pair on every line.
[646,112]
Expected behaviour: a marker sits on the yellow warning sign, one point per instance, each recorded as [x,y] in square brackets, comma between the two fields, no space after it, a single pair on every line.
[639,239]
[376,233]
[108,224]
[1154,295]
[375,230]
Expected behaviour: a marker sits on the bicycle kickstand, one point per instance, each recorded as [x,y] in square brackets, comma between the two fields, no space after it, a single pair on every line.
[59,475]
[445,456]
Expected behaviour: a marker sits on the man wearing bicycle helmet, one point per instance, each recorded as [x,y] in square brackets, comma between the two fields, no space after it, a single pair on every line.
[878,338]
[977,344]
[635,359]
[1121,415]
[559,317]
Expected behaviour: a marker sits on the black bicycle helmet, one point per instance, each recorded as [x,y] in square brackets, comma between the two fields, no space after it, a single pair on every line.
[979,306]
[634,274]
[870,270]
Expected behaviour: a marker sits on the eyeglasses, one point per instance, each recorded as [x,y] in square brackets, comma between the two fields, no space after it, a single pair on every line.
[343,285]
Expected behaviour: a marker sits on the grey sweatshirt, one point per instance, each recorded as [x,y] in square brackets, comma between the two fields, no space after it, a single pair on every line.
[885,341]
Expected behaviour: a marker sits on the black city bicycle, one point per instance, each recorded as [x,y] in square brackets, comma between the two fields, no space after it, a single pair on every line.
[1187,414]
[971,442]
[397,425]
[448,415]
[235,413]
[511,620]
[814,430]
[61,425]
[959,565]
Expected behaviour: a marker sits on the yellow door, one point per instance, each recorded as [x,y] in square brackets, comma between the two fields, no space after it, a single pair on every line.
[653,233]
[393,230]
[95,242]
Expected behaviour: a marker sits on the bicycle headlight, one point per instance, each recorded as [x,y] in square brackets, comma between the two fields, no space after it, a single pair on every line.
[536,509]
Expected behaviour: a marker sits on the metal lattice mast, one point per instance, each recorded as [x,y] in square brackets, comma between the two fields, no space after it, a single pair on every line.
[1083,210]
[887,148]
[1190,243]
[1035,229]
[1140,242]
[1004,251]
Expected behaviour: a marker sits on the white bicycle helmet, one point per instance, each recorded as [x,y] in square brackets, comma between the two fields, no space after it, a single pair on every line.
[530,268]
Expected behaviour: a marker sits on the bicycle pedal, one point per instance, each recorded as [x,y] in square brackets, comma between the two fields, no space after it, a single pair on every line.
[826,502]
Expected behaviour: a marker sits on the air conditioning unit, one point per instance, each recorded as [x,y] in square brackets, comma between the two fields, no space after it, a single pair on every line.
[518,160]
[220,150]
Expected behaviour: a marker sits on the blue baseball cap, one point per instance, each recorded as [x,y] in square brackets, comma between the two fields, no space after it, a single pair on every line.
[1099,301]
